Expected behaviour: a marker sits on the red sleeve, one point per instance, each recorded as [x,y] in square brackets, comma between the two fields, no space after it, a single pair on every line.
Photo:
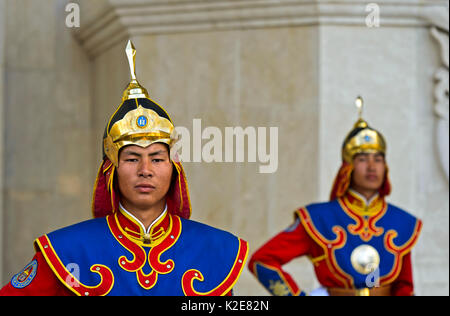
[403,285]
[287,245]
[44,282]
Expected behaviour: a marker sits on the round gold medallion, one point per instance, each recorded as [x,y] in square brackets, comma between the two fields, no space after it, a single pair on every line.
[365,259]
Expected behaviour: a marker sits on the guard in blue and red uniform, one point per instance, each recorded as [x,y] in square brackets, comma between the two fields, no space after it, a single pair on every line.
[358,243]
[141,241]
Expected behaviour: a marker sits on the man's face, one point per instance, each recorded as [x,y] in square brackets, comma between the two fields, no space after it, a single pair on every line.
[144,176]
[369,171]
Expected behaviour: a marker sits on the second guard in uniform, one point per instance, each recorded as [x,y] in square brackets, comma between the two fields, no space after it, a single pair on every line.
[358,243]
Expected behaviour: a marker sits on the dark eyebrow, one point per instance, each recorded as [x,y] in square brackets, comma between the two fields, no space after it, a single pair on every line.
[133,153]
[156,153]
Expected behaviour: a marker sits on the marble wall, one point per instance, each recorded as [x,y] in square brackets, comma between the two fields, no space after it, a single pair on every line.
[48,157]
[297,66]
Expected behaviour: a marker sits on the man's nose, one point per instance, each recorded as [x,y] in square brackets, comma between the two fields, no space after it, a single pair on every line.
[371,163]
[145,168]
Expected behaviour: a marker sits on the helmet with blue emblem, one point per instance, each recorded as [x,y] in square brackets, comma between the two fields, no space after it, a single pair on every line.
[137,121]
[362,139]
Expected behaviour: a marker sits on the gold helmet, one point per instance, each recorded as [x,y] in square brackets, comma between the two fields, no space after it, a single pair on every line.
[362,138]
[138,120]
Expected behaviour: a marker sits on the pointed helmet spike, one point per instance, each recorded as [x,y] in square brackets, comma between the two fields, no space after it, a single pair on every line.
[131,54]
[359,102]
[134,89]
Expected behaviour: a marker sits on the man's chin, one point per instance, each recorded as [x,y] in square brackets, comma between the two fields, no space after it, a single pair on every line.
[146,204]
[374,188]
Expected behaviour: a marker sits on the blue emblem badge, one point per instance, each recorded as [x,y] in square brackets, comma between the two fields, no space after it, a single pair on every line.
[367,138]
[142,121]
[24,277]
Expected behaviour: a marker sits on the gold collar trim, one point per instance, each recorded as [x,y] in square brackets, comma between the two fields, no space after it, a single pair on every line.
[361,206]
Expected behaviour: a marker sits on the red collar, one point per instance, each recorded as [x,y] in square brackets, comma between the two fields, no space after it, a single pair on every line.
[134,230]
